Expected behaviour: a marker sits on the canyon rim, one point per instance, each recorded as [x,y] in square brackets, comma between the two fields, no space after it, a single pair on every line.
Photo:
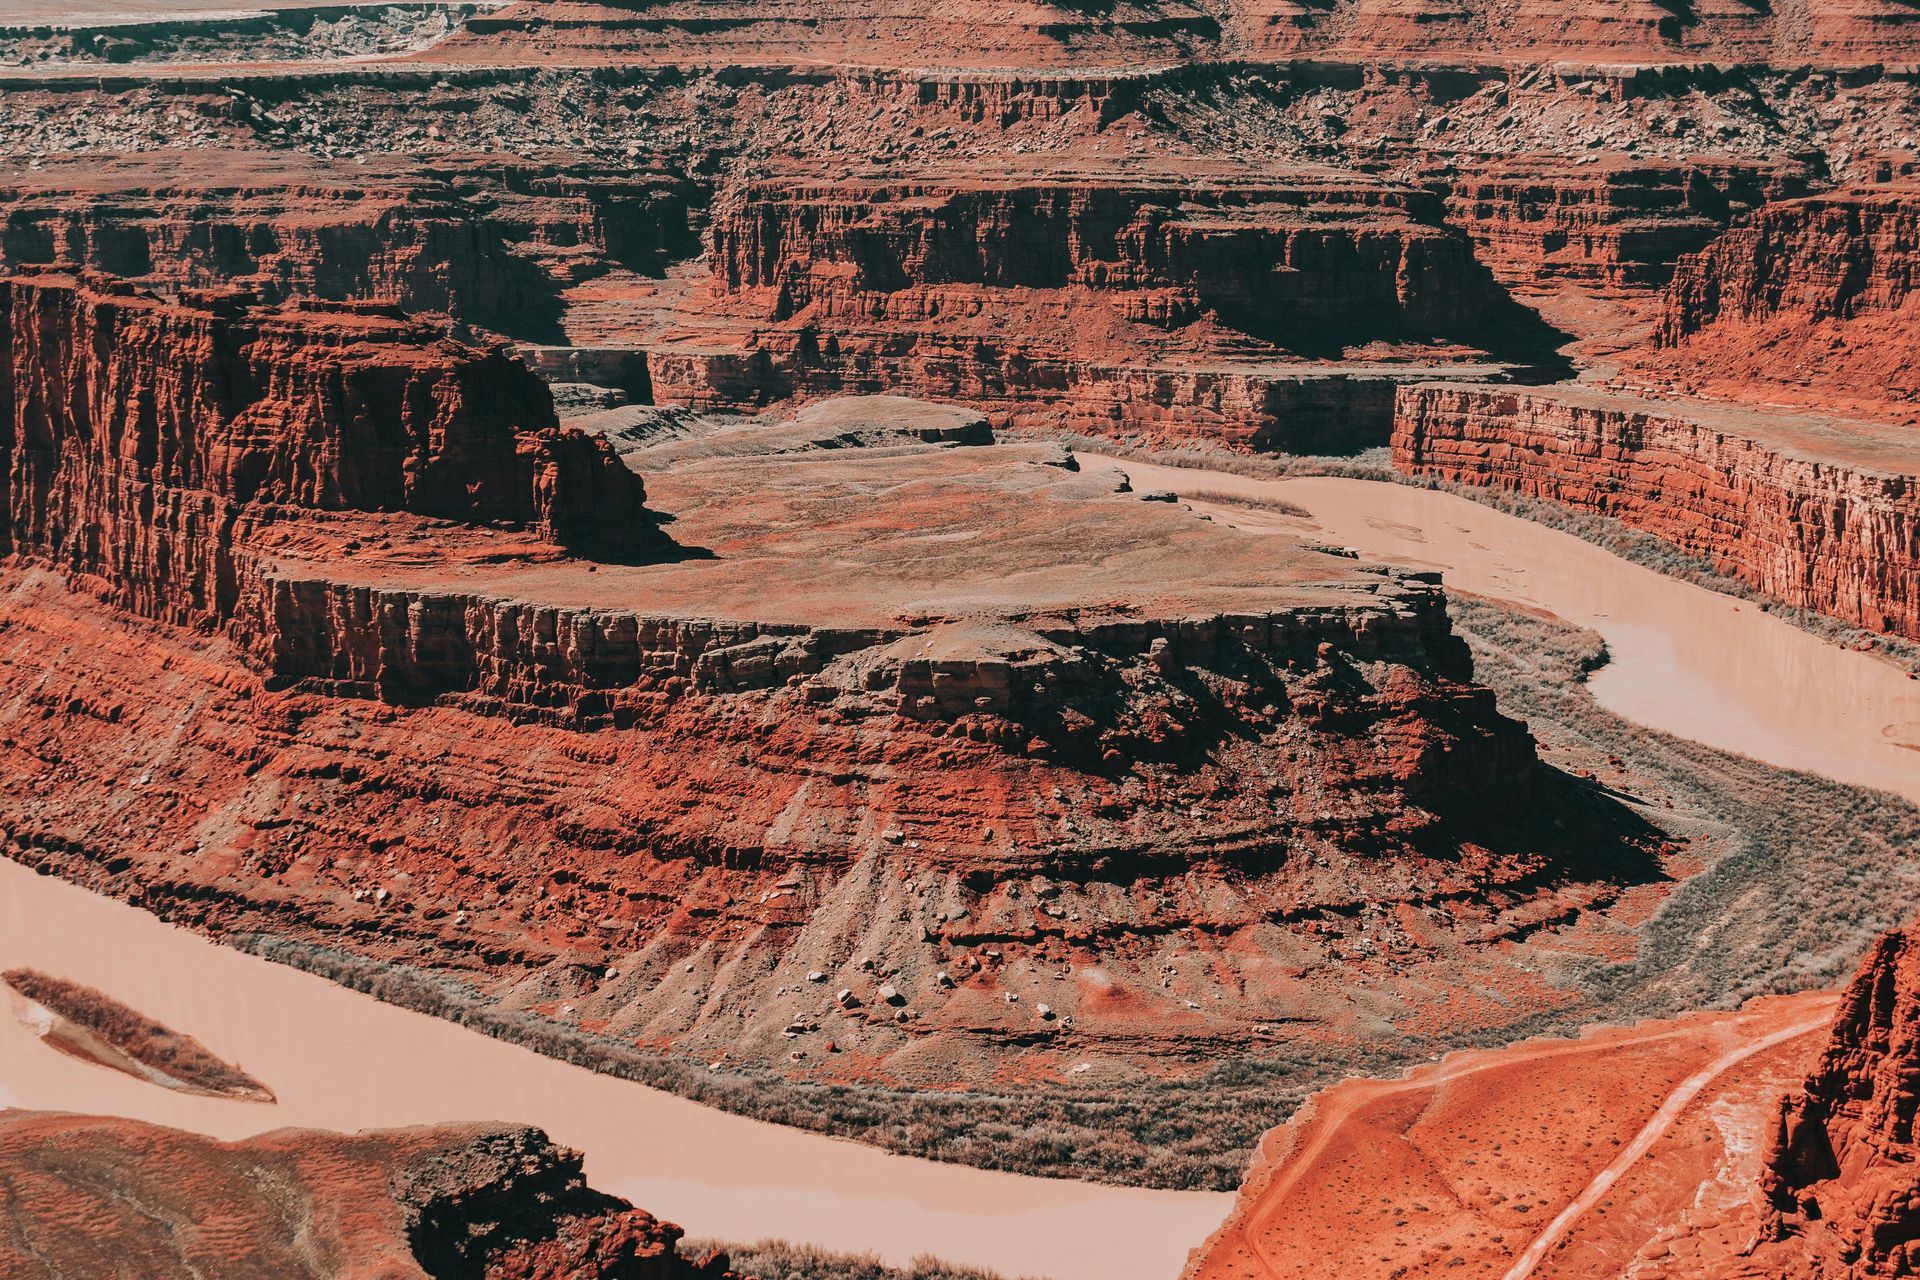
[1171,637]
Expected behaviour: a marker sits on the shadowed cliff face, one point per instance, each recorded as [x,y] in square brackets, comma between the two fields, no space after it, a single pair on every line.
[97,1196]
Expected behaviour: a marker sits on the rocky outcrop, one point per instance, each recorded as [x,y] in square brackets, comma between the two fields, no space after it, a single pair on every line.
[1807,302]
[1839,1182]
[1837,1195]
[96,1196]
[925,709]
[142,436]
[1615,222]
[1311,259]
[1823,515]
[488,239]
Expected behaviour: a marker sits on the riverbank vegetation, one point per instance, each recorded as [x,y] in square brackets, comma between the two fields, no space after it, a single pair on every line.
[1798,875]
[782,1260]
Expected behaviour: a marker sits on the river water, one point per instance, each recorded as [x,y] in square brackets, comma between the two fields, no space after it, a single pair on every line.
[337,1059]
[1685,660]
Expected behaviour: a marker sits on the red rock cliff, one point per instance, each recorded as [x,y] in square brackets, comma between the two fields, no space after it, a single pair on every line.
[1808,301]
[1839,1192]
[1317,257]
[1822,516]
[1619,222]
[490,239]
[139,434]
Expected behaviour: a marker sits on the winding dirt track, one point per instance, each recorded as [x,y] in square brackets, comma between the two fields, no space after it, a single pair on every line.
[1662,1120]
[1359,1123]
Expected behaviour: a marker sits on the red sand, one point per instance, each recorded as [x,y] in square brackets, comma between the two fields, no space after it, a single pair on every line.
[1546,1158]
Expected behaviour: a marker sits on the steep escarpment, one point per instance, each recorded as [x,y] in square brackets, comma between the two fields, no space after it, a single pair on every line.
[1322,256]
[143,437]
[486,238]
[1821,514]
[1277,312]
[1807,302]
[95,1196]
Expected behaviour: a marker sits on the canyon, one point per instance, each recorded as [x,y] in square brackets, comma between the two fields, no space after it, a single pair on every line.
[924,576]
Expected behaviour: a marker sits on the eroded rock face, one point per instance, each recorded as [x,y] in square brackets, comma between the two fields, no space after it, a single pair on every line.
[142,434]
[1837,1197]
[488,239]
[1042,34]
[99,1196]
[1542,221]
[1809,301]
[1217,304]
[1318,257]
[877,698]
[1840,1184]
[1822,515]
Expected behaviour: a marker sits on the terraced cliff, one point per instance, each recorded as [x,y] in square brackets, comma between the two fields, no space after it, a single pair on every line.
[1823,515]
[1809,302]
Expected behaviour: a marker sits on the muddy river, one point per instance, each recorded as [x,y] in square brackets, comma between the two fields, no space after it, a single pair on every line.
[1685,660]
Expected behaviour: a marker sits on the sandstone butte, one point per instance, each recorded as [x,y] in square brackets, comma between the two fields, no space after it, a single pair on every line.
[1775,1142]
[333,536]
[97,1196]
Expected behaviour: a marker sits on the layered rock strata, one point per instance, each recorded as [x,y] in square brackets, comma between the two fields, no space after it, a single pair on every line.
[1314,258]
[1040,34]
[1615,222]
[489,239]
[1106,301]
[93,1195]
[1841,1195]
[1808,302]
[1820,514]
[143,437]
[865,694]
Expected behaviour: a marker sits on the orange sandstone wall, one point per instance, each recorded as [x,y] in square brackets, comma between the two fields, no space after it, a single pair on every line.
[1837,537]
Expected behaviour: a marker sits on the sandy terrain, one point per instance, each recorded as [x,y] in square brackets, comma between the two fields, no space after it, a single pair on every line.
[1530,1160]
